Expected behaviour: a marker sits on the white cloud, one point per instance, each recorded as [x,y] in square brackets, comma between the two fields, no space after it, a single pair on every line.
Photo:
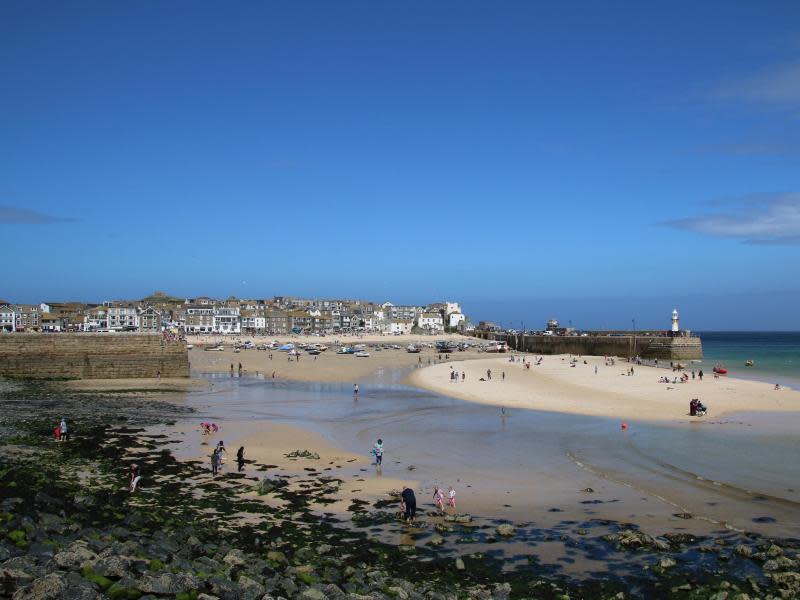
[754,219]
[778,86]
[23,216]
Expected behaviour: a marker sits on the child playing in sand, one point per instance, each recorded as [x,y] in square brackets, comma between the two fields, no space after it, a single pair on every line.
[377,450]
[438,497]
[451,497]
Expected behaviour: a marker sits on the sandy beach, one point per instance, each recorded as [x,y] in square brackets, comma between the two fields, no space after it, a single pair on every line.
[325,367]
[556,386]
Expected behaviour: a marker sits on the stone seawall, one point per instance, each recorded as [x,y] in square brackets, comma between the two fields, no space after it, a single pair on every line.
[91,356]
[677,348]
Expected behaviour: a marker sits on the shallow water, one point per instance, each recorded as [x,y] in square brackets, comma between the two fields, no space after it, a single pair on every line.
[737,473]
[776,354]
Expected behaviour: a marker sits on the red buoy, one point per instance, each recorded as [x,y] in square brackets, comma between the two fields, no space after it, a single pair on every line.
[624,426]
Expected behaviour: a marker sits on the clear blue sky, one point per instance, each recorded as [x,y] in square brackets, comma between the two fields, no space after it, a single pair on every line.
[597,162]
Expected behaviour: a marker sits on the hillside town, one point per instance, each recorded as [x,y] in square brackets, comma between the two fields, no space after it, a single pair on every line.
[203,315]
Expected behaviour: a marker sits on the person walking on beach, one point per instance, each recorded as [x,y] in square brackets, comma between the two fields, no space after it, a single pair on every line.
[504,375]
[64,430]
[231,369]
[700,374]
[489,374]
[135,478]
[240,369]
[355,389]
[451,497]
[240,457]
[463,376]
[57,433]
[595,369]
[377,450]
[692,373]
[221,451]
[214,462]
[410,502]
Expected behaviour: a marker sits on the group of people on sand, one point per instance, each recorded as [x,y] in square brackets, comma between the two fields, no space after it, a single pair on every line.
[61,431]
[454,375]
[697,408]
[438,497]
[209,428]
[408,502]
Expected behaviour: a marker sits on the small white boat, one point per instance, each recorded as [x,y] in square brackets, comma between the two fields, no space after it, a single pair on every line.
[189,346]
[362,354]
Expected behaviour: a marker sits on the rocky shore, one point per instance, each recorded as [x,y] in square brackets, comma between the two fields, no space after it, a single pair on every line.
[70,529]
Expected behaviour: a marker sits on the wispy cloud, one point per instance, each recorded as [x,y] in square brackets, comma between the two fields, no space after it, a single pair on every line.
[755,219]
[767,148]
[778,86]
[22,216]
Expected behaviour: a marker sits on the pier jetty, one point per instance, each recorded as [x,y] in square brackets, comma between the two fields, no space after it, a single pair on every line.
[92,356]
[683,346]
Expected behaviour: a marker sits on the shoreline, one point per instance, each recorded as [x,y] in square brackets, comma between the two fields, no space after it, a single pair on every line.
[556,386]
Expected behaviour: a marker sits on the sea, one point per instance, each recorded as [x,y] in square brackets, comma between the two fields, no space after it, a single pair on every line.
[775,354]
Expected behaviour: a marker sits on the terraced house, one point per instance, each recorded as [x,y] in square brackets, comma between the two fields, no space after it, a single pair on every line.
[227,320]
[199,319]
[8,319]
[27,317]
[149,319]
[122,317]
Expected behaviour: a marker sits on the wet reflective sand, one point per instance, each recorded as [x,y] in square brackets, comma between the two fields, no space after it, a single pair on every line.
[736,473]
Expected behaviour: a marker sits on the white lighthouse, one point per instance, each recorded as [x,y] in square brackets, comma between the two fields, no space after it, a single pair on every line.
[675,326]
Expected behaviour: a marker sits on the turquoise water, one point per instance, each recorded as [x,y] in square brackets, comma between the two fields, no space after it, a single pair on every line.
[776,354]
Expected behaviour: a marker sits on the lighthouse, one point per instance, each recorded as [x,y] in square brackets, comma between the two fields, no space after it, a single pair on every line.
[675,327]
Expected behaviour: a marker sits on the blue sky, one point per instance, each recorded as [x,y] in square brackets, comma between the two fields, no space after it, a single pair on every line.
[594,163]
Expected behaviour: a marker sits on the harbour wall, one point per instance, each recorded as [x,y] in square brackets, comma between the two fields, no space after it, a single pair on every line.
[627,345]
[92,356]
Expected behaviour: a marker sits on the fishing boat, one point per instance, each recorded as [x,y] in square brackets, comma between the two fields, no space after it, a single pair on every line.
[500,347]
[749,363]
[719,369]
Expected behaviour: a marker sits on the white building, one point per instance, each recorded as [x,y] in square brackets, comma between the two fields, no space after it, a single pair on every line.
[227,320]
[455,319]
[8,319]
[95,319]
[253,321]
[451,307]
[123,318]
[400,326]
[431,322]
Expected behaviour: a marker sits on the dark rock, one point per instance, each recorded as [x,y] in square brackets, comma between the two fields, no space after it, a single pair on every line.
[168,583]
[224,589]
[250,588]
[12,580]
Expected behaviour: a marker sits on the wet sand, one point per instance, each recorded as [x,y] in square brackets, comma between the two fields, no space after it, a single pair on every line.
[556,386]
[526,466]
